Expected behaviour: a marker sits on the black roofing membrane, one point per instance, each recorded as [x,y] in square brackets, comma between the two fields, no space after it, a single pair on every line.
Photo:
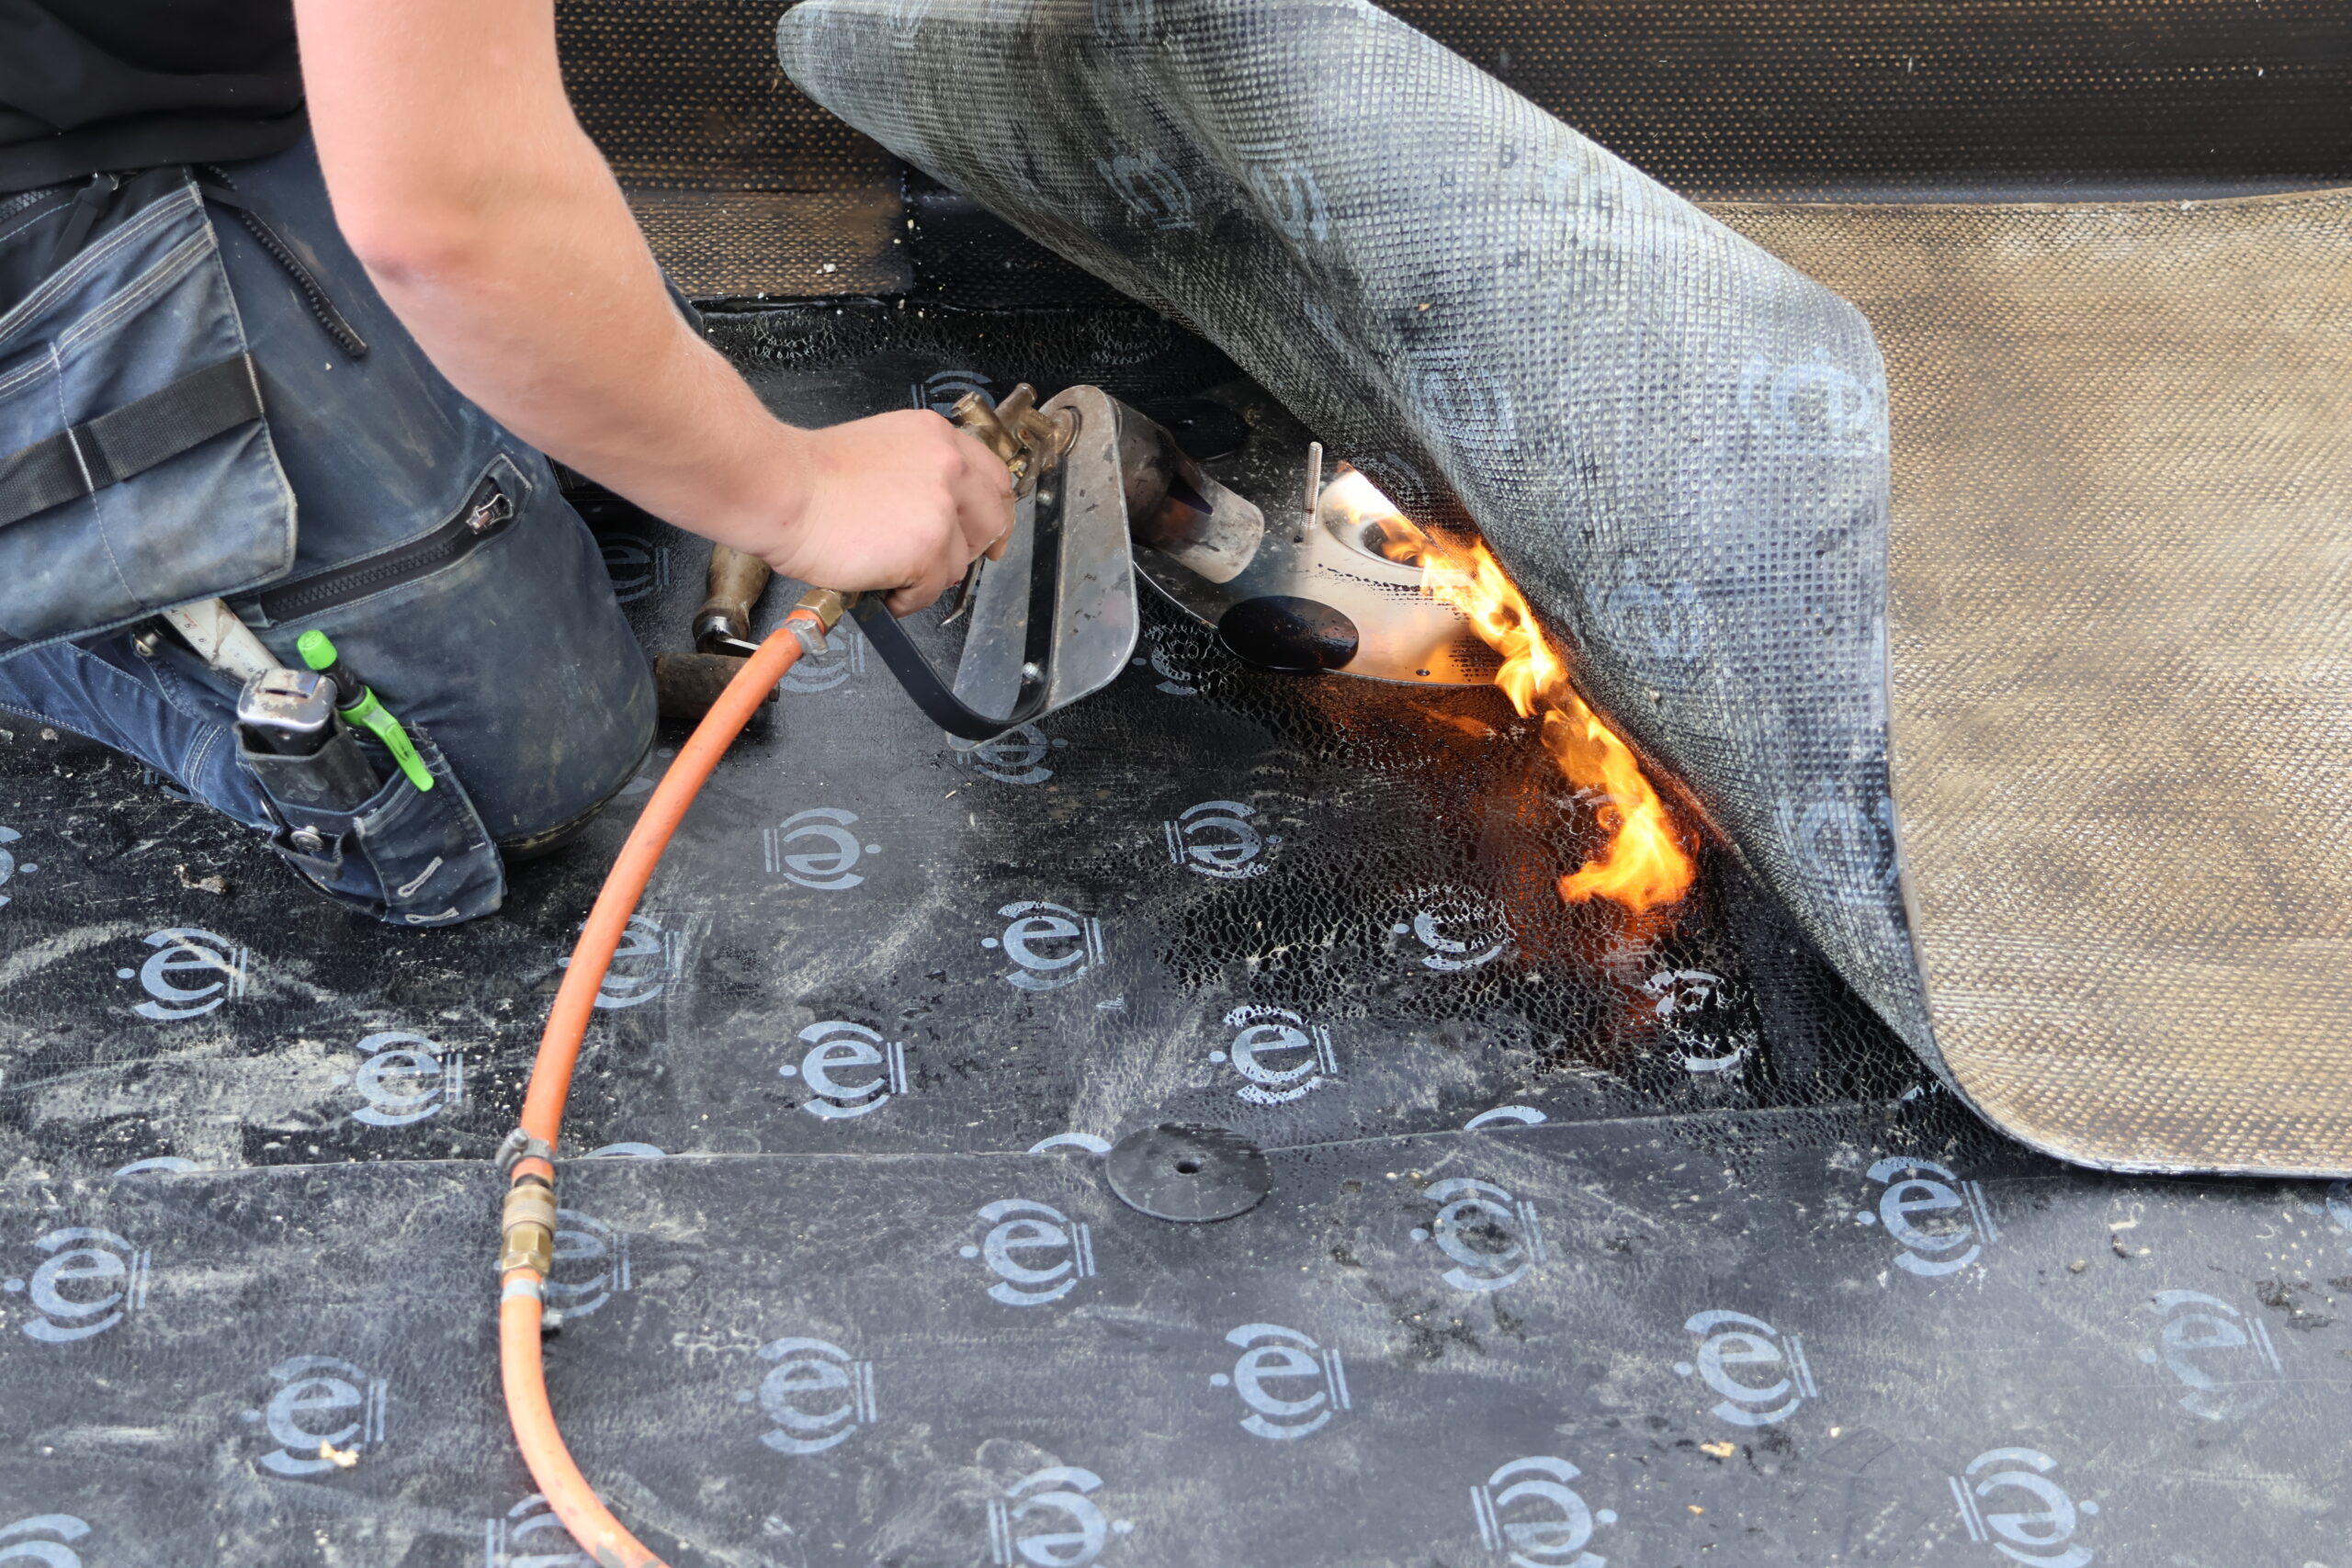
[1719,1276]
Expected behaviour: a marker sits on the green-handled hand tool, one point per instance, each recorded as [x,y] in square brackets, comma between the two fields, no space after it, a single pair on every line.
[359,705]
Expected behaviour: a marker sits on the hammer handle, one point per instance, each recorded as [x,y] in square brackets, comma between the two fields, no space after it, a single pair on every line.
[737,581]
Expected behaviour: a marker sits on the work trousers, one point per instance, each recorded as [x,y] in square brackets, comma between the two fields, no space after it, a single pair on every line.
[428,542]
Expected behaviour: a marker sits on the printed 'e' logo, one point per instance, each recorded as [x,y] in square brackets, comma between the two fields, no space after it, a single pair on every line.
[1061,1250]
[1813,405]
[1271,1354]
[828,850]
[1051,945]
[1530,1515]
[10,867]
[1173,678]
[1456,931]
[1279,1054]
[320,1401]
[1152,192]
[1691,1006]
[644,964]
[2206,1343]
[843,657]
[1940,1223]
[1016,756]
[89,1280]
[816,1393]
[838,1046]
[406,1078]
[2043,1531]
[1493,1238]
[1734,1339]
[1048,1519]
[1287,190]
[530,1536]
[43,1538]
[189,951]
[591,1263]
[1218,839]
[636,567]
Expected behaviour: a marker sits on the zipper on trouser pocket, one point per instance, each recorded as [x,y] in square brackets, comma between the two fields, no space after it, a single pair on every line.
[487,512]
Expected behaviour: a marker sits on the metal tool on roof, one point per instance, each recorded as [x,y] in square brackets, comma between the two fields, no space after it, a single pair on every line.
[685,684]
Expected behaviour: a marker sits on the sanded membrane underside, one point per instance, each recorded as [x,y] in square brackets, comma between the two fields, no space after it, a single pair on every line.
[2121,640]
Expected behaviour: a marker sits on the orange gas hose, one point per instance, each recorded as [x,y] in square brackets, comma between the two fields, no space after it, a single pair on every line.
[521,1307]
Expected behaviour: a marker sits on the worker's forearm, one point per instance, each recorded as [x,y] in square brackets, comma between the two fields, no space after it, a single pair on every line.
[545,307]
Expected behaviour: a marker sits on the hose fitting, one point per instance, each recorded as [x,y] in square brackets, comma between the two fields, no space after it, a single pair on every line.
[819,612]
[526,1227]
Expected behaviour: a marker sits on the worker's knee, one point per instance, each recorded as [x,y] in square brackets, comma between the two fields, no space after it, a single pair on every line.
[509,650]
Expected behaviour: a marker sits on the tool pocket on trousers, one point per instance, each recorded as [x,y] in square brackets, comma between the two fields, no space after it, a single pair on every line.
[408,856]
[136,470]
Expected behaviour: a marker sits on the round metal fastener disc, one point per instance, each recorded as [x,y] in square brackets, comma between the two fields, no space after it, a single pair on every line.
[1188,1173]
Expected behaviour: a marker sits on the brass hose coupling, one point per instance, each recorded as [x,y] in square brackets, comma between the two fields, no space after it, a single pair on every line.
[819,612]
[526,1227]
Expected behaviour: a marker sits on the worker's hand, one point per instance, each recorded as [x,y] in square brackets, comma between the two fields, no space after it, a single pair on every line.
[901,502]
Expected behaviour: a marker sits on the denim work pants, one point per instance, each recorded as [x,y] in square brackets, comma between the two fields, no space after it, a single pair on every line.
[427,540]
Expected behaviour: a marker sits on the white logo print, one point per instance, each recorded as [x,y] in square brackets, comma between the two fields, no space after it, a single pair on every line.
[1153,193]
[1016,756]
[1815,404]
[1279,1054]
[841,1044]
[1466,399]
[186,949]
[1123,21]
[1273,1354]
[1849,846]
[88,1280]
[906,19]
[1056,1498]
[1456,931]
[843,657]
[2337,1205]
[1528,1514]
[1729,1340]
[320,1401]
[636,567]
[2040,1533]
[1670,622]
[941,389]
[1050,944]
[10,867]
[1493,1238]
[1691,1006]
[831,849]
[2206,1343]
[1287,190]
[1216,839]
[644,964]
[816,1393]
[591,1263]
[530,1536]
[1951,1240]
[1174,680]
[43,1538]
[406,1078]
[1065,1248]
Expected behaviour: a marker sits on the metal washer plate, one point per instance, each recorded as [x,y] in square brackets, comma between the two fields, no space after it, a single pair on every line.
[1188,1173]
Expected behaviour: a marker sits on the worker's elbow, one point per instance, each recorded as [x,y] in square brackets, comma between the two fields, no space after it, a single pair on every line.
[417,244]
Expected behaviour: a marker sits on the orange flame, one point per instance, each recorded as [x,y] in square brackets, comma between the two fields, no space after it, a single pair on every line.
[1645,865]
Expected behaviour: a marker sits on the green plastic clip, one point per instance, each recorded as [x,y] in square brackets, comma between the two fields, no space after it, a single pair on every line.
[317,651]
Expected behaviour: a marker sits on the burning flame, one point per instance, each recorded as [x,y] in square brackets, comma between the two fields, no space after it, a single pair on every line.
[1645,865]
